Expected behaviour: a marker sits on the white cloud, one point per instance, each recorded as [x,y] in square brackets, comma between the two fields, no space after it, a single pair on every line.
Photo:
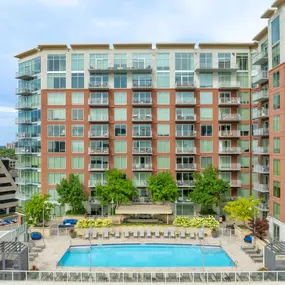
[60,3]
[5,109]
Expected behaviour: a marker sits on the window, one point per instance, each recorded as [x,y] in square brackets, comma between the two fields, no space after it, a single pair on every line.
[55,178]
[120,146]
[163,162]
[120,80]
[77,146]
[276,101]
[242,61]
[206,60]
[163,98]
[206,98]
[163,79]
[243,192]
[184,61]
[276,210]
[120,98]
[276,189]
[56,114]
[206,130]
[142,98]
[163,130]
[206,80]
[77,98]
[162,61]
[244,113]
[244,145]
[99,98]
[244,129]
[244,161]
[101,131]
[56,98]
[224,79]
[275,55]
[275,31]
[163,146]
[80,176]
[120,162]
[57,162]
[120,60]
[185,98]
[141,60]
[242,79]
[97,114]
[56,146]
[206,114]
[276,145]
[206,146]
[276,123]
[120,130]
[163,114]
[224,60]
[56,130]
[77,162]
[77,80]
[120,114]
[77,62]
[276,79]
[78,130]
[99,61]
[206,161]
[77,114]
[276,167]
[56,62]
[56,80]
[244,177]
[243,97]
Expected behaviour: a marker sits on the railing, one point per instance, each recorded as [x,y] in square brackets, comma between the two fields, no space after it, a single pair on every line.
[263,207]
[184,101]
[22,165]
[230,166]
[22,196]
[261,95]
[100,102]
[185,117]
[26,135]
[229,101]
[142,83]
[229,84]
[185,183]
[235,183]
[24,121]
[94,183]
[27,181]
[260,77]
[261,168]
[190,150]
[99,150]
[142,150]
[102,118]
[146,166]
[99,85]
[142,134]
[262,56]
[137,117]
[260,114]
[246,277]
[229,117]
[98,134]
[22,105]
[27,149]
[183,134]
[229,134]
[229,150]
[220,64]
[261,187]
[186,166]
[141,101]
[261,132]
[140,183]
[11,235]
[260,150]
[183,85]
[25,90]
[98,166]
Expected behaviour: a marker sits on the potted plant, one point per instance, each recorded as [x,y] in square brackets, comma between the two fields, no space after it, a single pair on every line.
[72,233]
[215,232]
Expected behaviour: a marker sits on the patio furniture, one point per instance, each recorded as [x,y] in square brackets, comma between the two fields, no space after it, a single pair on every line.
[141,233]
[135,233]
[86,234]
[36,235]
[74,277]
[172,233]
[251,250]
[45,276]
[95,235]
[70,221]
[200,235]
[86,277]
[117,233]
[106,234]
[157,233]
[255,251]
[248,239]
[165,233]
[182,233]
[148,233]
[247,247]
[192,235]
[126,233]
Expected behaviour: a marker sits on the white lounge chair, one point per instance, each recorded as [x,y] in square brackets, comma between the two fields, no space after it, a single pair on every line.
[192,235]
[157,233]
[136,233]
[165,233]
[86,234]
[172,233]
[126,233]
[141,233]
[148,233]
[117,233]
[106,234]
[182,233]
[200,235]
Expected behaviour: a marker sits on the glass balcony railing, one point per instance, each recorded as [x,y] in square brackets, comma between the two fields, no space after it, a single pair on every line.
[27,165]
[98,166]
[218,65]
[260,58]
[98,150]
[142,101]
[260,96]
[140,183]
[98,102]
[27,105]
[94,183]
[229,166]
[260,114]
[260,150]
[185,134]
[229,117]
[142,117]
[229,101]
[261,132]
[185,101]
[98,85]
[27,73]
[185,118]
[260,78]
[264,188]
[186,166]
[185,84]
[142,134]
[142,150]
[263,207]
[98,118]
[142,84]
[185,183]
[186,150]
[26,135]
[229,134]
[229,85]
[28,150]
[142,166]
[27,120]
[235,183]
[230,150]
[259,168]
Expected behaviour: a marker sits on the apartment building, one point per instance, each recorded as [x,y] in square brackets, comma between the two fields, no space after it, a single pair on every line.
[144,108]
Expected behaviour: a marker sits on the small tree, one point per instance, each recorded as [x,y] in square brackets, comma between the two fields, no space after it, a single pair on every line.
[71,192]
[119,188]
[259,227]
[242,209]
[162,187]
[209,189]
[37,209]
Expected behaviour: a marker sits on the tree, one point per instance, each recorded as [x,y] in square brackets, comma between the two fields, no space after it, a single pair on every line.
[209,189]
[242,209]
[7,152]
[259,227]
[71,192]
[119,188]
[37,208]
[162,187]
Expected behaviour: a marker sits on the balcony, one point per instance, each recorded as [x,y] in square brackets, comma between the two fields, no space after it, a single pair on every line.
[27,73]
[142,84]
[185,134]
[140,183]
[229,101]
[229,134]
[229,150]
[263,188]
[98,85]
[142,134]
[142,118]
[221,66]
[186,150]
[142,150]
[28,150]
[27,181]
[141,102]
[98,102]
[263,169]
[98,150]
[98,118]
[260,114]
[94,183]
[98,134]
[29,166]
[185,183]
[229,166]
[186,101]
[229,117]
[229,85]
[20,121]
[260,96]
[260,58]
[186,166]
[186,118]
[142,167]
[22,196]
[263,132]
[98,166]
[235,183]
[27,106]
[185,85]
[94,70]
[26,135]
[263,207]
[141,68]
[261,150]
[260,78]
[25,91]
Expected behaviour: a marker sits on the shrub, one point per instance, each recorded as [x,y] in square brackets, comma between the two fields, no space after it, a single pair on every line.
[99,223]
[207,212]
[196,222]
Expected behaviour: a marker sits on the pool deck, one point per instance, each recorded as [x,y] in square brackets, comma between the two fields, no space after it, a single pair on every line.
[56,246]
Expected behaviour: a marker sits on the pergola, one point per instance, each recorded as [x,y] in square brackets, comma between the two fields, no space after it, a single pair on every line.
[274,256]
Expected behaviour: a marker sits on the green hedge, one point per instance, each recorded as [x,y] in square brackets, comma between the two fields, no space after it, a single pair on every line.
[99,223]
[196,222]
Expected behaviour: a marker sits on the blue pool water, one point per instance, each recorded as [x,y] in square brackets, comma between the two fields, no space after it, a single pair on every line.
[148,255]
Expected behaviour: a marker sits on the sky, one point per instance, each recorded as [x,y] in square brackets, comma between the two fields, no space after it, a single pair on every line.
[26,23]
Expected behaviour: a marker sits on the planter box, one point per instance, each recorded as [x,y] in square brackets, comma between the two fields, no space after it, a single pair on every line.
[242,232]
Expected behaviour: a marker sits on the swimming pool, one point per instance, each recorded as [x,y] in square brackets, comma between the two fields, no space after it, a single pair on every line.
[146,255]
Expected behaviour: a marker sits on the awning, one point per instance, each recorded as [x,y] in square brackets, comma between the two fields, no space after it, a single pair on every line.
[143,209]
